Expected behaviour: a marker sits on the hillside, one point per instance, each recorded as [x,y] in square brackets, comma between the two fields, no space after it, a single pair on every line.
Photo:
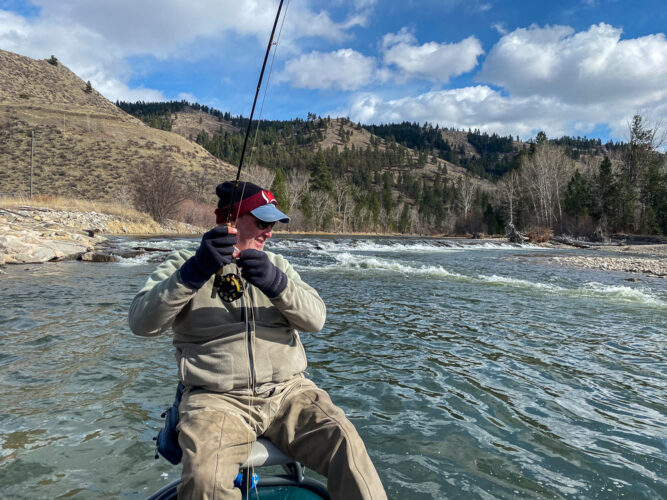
[190,122]
[432,166]
[84,145]
[336,132]
[329,173]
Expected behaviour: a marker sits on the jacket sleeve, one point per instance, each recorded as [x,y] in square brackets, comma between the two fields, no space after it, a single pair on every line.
[299,302]
[157,304]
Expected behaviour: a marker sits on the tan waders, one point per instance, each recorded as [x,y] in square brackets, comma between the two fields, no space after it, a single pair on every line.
[297,416]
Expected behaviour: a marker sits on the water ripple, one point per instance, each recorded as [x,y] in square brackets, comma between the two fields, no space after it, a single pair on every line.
[467,373]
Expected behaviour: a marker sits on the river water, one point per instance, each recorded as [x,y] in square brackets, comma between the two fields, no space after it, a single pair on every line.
[471,370]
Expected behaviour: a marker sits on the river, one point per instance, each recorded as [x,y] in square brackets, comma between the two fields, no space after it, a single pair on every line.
[471,370]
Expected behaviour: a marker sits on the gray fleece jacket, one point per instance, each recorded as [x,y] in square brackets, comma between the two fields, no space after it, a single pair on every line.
[218,345]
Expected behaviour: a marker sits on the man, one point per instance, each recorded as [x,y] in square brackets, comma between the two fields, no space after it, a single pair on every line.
[242,362]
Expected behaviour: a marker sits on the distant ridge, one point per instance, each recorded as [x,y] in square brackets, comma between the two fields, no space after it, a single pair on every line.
[85,146]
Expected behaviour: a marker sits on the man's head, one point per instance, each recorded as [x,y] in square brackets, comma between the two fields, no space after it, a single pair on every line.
[254,212]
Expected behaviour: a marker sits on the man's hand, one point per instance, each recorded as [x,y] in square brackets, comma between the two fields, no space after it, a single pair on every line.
[215,251]
[257,269]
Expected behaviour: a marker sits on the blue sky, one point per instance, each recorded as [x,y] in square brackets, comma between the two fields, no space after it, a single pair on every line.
[574,67]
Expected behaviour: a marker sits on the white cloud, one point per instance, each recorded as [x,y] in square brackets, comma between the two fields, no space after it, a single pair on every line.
[115,90]
[95,39]
[432,60]
[344,69]
[593,66]
[187,96]
[468,5]
[160,27]
[82,50]
[485,108]
[500,28]
[404,36]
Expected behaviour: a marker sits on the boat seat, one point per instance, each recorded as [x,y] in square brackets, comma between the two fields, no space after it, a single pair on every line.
[265,453]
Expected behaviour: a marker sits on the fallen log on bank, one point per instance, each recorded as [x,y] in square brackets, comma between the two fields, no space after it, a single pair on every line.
[568,240]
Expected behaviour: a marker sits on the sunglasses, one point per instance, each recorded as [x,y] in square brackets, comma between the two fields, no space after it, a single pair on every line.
[261,225]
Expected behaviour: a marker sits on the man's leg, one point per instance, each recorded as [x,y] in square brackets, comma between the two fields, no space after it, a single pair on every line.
[214,441]
[310,428]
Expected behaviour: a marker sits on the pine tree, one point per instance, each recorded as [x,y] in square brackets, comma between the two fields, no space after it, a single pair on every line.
[606,185]
[322,180]
[654,200]
[625,204]
[279,190]
[576,196]
[404,221]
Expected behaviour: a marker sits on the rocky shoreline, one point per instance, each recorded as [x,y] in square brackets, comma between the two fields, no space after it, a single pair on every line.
[653,266]
[30,235]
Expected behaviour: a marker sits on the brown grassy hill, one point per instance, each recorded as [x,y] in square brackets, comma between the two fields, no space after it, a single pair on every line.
[456,139]
[361,138]
[190,122]
[84,146]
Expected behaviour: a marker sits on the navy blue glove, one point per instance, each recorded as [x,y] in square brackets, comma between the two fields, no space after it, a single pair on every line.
[214,252]
[257,269]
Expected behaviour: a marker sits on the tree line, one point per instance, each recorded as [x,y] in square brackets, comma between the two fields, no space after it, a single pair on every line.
[573,185]
[624,191]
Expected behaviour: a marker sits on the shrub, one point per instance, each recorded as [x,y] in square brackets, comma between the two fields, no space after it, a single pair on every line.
[539,234]
[580,226]
[196,214]
[157,189]
[468,225]
[53,60]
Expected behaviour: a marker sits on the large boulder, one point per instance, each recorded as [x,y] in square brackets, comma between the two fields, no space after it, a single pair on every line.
[26,247]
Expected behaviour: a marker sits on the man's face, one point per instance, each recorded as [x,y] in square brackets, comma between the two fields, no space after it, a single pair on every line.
[250,234]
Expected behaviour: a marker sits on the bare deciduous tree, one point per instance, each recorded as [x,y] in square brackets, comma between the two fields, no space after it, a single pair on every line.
[466,193]
[364,220]
[340,189]
[123,194]
[322,205]
[343,202]
[545,175]
[200,185]
[298,184]
[415,225]
[509,192]
[158,189]
[261,176]
[348,211]
[385,218]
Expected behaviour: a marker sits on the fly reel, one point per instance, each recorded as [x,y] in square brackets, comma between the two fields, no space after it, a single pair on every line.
[229,287]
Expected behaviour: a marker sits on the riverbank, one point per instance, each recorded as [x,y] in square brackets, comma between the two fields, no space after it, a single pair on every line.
[35,235]
[30,235]
[645,261]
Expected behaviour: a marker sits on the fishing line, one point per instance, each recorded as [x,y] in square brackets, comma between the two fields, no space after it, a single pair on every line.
[266,88]
[251,471]
[266,91]
[230,286]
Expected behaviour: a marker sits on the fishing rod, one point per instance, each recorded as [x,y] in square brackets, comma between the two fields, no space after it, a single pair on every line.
[230,286]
